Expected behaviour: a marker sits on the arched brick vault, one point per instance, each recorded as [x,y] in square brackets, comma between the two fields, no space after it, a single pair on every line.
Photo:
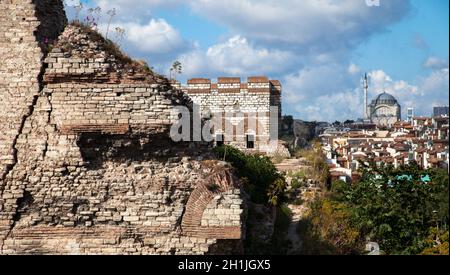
[220,181]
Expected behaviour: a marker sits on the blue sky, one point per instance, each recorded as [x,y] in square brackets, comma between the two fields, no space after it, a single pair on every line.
[318,49]
[428,21]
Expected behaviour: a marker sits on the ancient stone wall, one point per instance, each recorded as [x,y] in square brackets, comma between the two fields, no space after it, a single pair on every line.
[89,167]
[25,28]
[229,97]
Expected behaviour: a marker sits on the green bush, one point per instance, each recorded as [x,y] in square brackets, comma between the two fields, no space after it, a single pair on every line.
[259,175]
[284,215]
[315,158]
[397,208]
[296,183]
[298,201]
[278,158]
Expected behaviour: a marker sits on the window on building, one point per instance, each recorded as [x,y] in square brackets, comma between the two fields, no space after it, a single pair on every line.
[219,140]
[250,141]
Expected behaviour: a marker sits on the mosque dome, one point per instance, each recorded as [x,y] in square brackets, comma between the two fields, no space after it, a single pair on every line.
[384,98]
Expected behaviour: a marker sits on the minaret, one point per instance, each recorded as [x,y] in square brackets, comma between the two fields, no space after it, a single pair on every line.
[366,96]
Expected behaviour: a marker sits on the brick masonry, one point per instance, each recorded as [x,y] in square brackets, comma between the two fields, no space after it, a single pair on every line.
[252,100]
[87,166]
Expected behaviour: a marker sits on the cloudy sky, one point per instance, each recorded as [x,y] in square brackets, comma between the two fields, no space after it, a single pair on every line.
[318,49]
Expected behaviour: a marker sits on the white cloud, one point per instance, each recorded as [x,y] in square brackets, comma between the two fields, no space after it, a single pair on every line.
[435,88]
[349,102]
[435,63]
[72,3]
[323,92]
[331,92]
[146,37]
[326,28]
[135,9]
[422,95]
[334,23]
[379,80]
[156,37]
[353,69]
[236,56]
[263,34]
[306,44]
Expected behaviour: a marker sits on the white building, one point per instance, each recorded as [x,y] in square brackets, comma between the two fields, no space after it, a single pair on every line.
[384,110]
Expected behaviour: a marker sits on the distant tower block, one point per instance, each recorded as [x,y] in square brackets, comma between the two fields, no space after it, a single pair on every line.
[410,113]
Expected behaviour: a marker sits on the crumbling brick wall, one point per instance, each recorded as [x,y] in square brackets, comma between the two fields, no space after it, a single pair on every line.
[88,164]
[23,34]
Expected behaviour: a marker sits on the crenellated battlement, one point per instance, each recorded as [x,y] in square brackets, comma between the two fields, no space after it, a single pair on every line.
[259,98]
[232,85]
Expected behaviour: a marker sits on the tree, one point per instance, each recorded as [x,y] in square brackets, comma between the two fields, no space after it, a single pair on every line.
[349,121]
[397,208]
[405,210]
[175,69]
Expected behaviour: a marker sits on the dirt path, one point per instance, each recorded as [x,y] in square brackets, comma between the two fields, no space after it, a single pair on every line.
[306,194]
[292,234]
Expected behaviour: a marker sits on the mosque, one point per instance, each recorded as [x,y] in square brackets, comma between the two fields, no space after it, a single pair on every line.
[384,110]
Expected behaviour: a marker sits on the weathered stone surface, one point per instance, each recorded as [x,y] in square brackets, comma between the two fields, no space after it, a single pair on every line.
[241,109]
[87,165]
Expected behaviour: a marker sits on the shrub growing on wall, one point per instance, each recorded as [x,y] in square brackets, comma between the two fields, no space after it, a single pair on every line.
[260,176]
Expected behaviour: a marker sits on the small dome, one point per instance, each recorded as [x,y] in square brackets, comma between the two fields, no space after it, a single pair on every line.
[385,98]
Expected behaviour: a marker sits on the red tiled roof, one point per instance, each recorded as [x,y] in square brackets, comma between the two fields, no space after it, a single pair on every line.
[420,150]
[228,80]
[199,81]
[389,160]
[275,82]
[433,160]
[258,79]
[358,157]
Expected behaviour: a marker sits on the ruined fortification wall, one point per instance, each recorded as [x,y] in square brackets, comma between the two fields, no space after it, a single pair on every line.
[252,99]
[24,27]
[89,166]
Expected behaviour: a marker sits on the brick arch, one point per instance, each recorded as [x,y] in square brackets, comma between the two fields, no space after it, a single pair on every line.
[218,182]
